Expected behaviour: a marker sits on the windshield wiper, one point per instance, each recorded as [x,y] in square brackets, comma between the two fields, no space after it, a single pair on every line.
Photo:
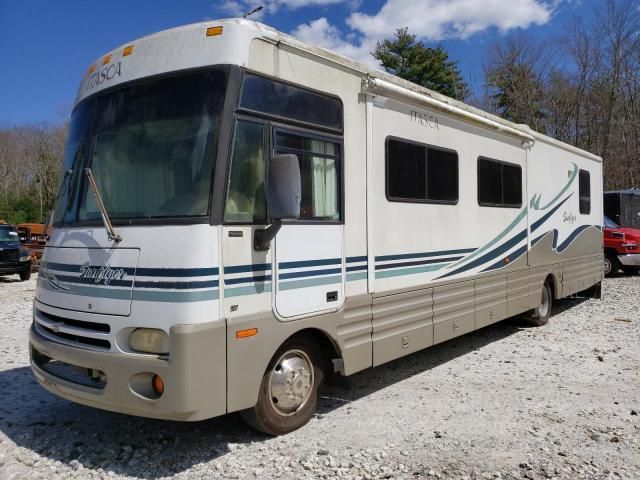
[111,233]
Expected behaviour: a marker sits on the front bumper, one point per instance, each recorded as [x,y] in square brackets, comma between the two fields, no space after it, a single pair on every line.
[194,374]
[630,259]
[15,268]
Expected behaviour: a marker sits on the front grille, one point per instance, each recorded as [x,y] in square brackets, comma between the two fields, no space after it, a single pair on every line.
[80,332]
[9,255]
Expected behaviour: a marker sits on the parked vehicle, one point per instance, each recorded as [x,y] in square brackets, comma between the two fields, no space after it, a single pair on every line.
[33,237]
[621,248]
[623,207]
[14,258]
[243,214]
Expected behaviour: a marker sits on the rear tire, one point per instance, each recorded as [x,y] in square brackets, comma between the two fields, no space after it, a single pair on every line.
[289,390]
[540,315]
[611,265]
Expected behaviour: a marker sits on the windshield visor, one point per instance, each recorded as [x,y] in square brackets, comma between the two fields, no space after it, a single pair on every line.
[151,147]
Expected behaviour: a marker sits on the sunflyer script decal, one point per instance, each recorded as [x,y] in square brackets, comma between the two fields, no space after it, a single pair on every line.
[104,274]
[106,73]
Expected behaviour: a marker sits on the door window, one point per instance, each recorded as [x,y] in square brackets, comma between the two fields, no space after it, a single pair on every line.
[319,161]
[246,193]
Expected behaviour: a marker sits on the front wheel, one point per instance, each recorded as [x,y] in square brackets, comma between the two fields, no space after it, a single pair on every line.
[289,390]
[540,315]
[26,274]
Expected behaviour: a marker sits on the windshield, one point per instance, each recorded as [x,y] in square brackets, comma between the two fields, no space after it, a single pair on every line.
[8,235]
[610,223]
[151,147]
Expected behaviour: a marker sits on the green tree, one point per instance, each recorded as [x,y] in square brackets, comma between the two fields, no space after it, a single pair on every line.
[408,58]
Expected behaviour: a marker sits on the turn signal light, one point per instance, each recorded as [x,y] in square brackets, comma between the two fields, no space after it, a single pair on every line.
[250,332]
[158,384]
[214,31]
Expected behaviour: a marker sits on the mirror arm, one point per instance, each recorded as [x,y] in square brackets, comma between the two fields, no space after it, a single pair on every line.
[262,238]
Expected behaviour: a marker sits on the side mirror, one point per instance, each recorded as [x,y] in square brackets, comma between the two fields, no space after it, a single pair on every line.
[284,192]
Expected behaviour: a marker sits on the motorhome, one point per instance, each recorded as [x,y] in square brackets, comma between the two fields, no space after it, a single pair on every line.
[242,214]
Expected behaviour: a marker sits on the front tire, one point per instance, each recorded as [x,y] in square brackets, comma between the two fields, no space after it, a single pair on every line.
[289,390]
[26,274]
[540,315]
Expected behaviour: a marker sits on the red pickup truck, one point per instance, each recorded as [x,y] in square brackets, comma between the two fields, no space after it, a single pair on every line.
[621,248]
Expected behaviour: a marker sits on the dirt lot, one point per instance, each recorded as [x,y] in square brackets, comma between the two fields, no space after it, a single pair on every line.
[560,401]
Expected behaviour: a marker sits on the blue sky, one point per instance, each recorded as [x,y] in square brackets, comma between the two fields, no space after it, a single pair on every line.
[47,45]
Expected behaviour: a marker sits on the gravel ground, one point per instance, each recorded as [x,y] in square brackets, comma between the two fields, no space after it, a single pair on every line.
[559,401]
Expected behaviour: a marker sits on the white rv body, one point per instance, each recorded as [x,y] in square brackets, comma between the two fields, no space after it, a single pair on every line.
[380,279]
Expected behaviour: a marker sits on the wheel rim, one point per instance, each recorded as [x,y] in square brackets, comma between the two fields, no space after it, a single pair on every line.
[607,266]
[545,302]
[291,382]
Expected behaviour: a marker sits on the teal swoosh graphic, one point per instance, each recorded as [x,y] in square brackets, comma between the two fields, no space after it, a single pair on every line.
[500,236]
[535,201]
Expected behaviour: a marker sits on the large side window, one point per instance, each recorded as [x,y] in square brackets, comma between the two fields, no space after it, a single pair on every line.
[246,192]
[499,184]
[420,173]
[320,173]
[584,181]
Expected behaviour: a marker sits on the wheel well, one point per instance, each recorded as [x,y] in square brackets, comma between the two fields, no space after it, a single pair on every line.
[326,346]
[611,251]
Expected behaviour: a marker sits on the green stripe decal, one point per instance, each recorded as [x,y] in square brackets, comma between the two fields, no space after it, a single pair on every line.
[312,282]
[250,290]
[409,271]
[356,276]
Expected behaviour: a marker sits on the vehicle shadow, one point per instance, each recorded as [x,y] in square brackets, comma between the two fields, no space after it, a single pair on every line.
[9,279]
[94,439]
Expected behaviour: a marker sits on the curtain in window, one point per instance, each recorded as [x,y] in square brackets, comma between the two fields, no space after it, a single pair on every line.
[325,181]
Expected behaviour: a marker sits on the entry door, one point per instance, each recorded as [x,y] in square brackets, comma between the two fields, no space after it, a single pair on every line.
[308,264]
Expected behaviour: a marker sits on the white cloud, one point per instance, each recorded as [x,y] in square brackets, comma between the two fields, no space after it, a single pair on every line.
[238,8]
[433,20]
[441,19]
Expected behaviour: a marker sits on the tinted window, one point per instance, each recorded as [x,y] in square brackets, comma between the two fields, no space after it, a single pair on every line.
[276,98]
[319,161]
[420,173]
[499,184]
[585,192]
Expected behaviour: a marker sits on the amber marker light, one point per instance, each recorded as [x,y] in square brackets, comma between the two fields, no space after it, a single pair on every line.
[158,384]
[249,332]
[92,68]
[128,50]
[214,31]
[106,59]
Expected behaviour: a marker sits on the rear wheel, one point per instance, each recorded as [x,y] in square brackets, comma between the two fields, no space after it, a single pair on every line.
[611,265]
[289,390]
[540,315]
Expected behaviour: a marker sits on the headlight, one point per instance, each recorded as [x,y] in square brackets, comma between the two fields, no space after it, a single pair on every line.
[25,257]
[630,245]
[149,340]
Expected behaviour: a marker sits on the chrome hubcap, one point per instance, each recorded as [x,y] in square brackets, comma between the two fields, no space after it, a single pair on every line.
[290,382]
[607,266]
[544,303]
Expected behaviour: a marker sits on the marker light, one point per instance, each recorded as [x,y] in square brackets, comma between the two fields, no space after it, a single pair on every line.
[214,31]
[106,59]
[158,384]
[149,340]
[92,68]
[128,50]
[250,332]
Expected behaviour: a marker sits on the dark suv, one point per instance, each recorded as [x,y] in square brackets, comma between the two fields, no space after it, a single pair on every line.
[13,257]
